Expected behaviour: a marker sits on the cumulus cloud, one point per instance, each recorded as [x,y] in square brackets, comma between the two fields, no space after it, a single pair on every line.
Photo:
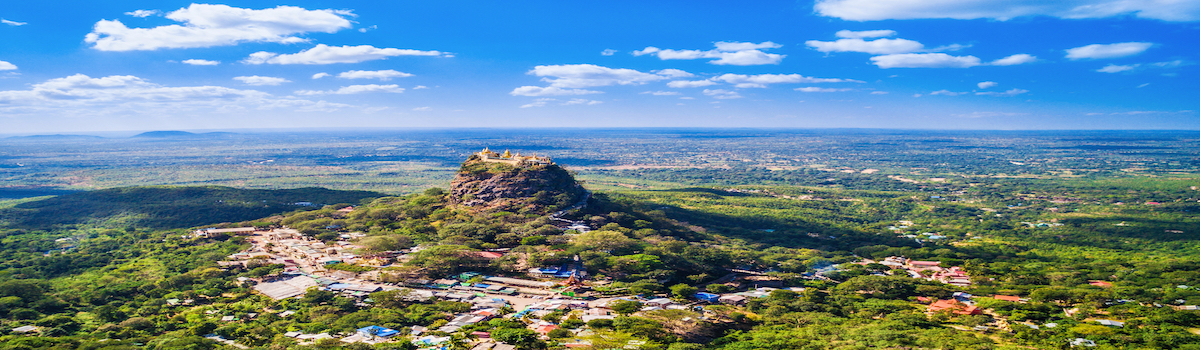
[875,10]
[690,83]
[324,54]
[320,75]
[925,60]
[7,66]
[143,13]
[13,23]
[1097,51]
[878,46]
[722,94]
[1013,60]
[987,84]
[355,89]
[879,92]
[206,25]
[819,89]
[661,93]
[726,53]
[590,75]
[1011,92]
[864,34]
[82,90]
[1112,68]
[127,94]
[375,74]
[549,91]
[581,101]
[608,52]
[945,93]
[426,108]
[541,102]
[673,73]
[258,81]
[420,87]
[761,80]
[198,62]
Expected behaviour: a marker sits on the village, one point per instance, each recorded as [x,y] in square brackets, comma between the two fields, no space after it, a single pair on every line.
[311,264]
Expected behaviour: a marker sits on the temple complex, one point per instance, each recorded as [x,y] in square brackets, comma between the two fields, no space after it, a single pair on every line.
[515,159]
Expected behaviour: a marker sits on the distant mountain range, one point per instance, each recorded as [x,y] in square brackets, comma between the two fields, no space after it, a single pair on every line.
[164,134]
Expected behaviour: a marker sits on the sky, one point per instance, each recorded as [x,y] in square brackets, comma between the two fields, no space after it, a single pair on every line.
[78,67]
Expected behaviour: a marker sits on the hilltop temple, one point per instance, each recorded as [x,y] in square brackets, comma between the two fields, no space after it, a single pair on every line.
[516,159]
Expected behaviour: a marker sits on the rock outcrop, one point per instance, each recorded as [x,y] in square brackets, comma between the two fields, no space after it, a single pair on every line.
[521,188]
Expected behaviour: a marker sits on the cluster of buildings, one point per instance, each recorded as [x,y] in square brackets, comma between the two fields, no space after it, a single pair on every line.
[928,270]
[487,155]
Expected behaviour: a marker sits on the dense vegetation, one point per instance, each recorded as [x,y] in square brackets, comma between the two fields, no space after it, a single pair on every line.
[96,269]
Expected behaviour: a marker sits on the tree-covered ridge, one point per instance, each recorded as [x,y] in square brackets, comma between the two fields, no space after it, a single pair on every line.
[169,206]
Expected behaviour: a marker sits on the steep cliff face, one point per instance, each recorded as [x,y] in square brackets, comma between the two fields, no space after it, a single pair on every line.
[524,188]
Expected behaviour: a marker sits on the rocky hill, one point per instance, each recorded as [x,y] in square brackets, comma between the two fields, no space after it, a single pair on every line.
[522,188]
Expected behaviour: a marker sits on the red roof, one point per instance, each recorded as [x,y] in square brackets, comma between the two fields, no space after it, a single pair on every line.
[1100,283]
[1007,298]
[924,263]
[954,306]
[490,255]
[545,328]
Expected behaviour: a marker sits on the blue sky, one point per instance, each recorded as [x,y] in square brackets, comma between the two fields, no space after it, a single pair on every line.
[72,67]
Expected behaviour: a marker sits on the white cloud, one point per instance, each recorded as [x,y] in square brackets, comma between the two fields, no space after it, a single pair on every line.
[945,93]
[549,91]
[987,84]
[589,75]
[742,46]
[581,101]
[323,54]
[1143,85]
[726,53]
[125,95]
[1013,60]
[864,34]
[1170,64]
[761,80]
[355,89]
[1011,92]
[13,23]
[541,102]
[205,25]
[258,81]
[722,94]
[1112,68]
[197,62]
[661,93]
[924,60]
[875,10]
[878,46]
[320,75]
[818,89]
[377,74]
[673,73]
[608,52]
[879,92]
[426,108]
[143,13]
[687,98]
[420,87]
[7,66]
[365,29]
[1095,51]
[690,83]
